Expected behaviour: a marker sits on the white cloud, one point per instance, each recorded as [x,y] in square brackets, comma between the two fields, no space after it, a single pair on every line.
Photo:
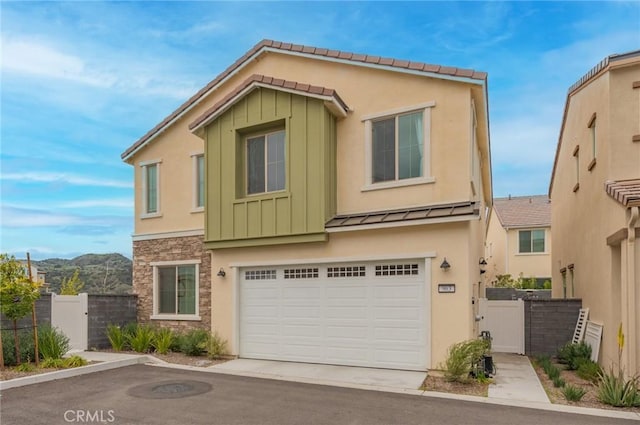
[17,217]
[44,177]
[99,203]
[34,58]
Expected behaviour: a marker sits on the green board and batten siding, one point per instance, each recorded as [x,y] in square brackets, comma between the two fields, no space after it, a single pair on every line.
[298,213]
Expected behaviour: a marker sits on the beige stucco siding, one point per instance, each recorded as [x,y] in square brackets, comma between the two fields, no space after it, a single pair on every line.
[583,220]
[451,315]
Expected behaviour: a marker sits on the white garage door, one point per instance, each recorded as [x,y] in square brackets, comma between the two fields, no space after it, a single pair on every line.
[369,314]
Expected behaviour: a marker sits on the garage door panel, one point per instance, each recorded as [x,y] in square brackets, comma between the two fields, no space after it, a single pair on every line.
[351,332]
[314,316]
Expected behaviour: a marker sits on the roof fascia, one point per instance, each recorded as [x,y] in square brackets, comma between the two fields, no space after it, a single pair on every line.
[263,49]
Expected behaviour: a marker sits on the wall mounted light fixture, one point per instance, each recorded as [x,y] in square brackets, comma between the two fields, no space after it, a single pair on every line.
[482,263]
[221,272]
[445,264]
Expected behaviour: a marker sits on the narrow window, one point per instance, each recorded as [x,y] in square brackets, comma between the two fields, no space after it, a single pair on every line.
[199,189]
[265,163]
[150,188]
[592,130]
[576,155]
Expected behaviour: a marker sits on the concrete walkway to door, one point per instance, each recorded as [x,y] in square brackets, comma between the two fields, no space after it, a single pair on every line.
[515,379]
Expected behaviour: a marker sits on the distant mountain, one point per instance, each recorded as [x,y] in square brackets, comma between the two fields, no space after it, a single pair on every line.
[100,273]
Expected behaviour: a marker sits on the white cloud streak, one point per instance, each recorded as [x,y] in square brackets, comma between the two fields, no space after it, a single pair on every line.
[64,178]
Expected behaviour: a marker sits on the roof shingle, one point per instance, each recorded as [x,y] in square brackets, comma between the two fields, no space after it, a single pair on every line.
[303,50]
[523,211]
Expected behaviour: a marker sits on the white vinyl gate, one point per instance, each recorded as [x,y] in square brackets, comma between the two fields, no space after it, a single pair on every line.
[69,313]
[505,320]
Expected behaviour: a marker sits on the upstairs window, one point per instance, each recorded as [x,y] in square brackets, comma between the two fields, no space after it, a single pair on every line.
[592,130]
[398,147]
[531,241]
[199,181]
[150,188]
[265,163]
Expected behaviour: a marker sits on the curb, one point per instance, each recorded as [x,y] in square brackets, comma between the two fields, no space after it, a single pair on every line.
[69,373]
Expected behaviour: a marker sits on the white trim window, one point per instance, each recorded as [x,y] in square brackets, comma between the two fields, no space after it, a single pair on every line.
[150,188]
[176,290]
[265,163]
[398,147]
[531,241]
[198,182]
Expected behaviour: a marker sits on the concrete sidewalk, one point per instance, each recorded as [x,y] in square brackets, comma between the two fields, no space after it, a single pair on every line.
[515,379]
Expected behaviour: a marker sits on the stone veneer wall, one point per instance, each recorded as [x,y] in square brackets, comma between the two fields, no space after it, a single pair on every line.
[171,249]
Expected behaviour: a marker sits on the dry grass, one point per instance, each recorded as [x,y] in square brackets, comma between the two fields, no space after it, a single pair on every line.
[435,382]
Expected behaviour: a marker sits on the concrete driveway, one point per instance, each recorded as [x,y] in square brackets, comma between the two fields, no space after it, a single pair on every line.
[144,394]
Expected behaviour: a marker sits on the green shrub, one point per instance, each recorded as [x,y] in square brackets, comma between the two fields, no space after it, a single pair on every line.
[163,340]
[71,286]
[129,329]
[543,361]
[462,358]
[52,344]
[194,342]
[74,361]
[25,367]
[51,363]
[176,342]
[25,340]
[117,337]
[573,355]
[553,372]
[589,371]
[572,393]
[216,346]
[558,382]
[141,340]
[615,390]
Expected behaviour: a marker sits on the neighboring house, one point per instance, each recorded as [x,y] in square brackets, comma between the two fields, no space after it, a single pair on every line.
[519,239]
[36,275]
[303,202]
[595,200]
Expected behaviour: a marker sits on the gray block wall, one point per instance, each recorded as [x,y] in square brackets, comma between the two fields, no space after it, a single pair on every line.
[549,324]
[43,315]
[103,310]
[109,309]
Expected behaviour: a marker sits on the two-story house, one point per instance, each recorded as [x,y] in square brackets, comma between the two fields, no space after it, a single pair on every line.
[319,206]
[595,194]
[519,239]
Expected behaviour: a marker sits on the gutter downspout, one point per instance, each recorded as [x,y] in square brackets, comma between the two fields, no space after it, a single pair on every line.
[632,324]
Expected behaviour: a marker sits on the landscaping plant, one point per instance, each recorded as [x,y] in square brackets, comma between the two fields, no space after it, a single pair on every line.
[462,358]
[614,388]
[573,355]
[589,371]
[52,363]
[74,361]
[141,340]
[558,382]
[572,393]
[52,343]
[163,340]
[26,346]
[216,346]
[117,337]
[71,286]
[194,342]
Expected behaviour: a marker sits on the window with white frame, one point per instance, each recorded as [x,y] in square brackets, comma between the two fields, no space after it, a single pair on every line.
[198,190]
[176,290]
[150,188]
[397,146]
[265,162]
[531,241]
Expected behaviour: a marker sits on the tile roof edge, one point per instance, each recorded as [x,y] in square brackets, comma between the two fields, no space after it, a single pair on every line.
[273,44]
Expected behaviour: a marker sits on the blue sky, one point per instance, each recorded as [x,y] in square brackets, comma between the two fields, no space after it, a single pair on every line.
[81,81]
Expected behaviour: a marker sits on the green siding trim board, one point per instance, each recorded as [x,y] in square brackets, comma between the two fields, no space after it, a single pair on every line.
[309,199]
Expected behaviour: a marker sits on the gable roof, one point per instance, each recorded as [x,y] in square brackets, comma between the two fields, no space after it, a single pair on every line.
[603,66]
[523,211]
[331,98]
[420,68]
[627,192]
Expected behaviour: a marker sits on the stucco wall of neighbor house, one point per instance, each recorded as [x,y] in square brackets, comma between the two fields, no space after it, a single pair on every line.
[529,264]
[583,219]
[449,135]
[451,315]
[495,248]
[170,249]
